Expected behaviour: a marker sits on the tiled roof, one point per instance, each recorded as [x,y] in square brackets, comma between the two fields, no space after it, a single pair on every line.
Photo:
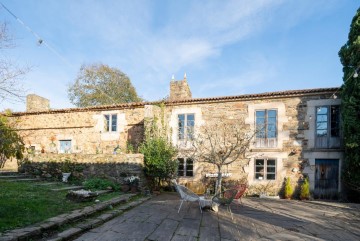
[277,94]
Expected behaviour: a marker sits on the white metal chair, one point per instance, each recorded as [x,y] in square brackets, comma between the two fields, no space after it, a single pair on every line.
[187,195]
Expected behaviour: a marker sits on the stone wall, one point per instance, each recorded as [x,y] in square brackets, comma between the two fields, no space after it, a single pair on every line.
[292,124]
[85,129]
[83,166]
[179,90]
[36,103]
[295,130]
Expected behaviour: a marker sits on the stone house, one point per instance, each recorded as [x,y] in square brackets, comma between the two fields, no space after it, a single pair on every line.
[302,134]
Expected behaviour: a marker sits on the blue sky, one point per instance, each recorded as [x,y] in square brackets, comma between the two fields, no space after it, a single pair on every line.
[225,47]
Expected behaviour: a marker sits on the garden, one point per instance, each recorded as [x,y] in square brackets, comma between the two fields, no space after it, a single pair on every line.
[26,203]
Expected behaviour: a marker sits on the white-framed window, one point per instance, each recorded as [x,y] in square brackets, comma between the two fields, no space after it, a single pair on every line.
[265,169]
[186,167]
[110,122]
[327,126]
[65,146]
[186,123]
[266,128]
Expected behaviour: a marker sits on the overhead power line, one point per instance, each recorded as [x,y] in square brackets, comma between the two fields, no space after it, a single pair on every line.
[40,41]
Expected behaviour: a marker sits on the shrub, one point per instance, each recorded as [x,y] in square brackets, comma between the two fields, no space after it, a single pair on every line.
[288,189]
[99,184]
[159,159]
[305,190]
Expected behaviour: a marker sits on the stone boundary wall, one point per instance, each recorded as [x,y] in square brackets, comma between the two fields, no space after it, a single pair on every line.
[83,166]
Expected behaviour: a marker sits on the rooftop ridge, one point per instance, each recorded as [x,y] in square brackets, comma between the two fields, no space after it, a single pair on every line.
[275,94]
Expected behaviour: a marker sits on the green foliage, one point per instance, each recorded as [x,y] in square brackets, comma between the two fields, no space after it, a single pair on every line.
[305,190]
[11,143]
[159,153]
[350,107]
[99,184]
[129,148]
[288,191]
[99,84]
[159,159]
[67,166]
[25,203]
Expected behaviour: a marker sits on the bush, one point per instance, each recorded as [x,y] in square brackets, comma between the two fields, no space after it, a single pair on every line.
[305,190]
[99,184]
[288,192]
[159,160]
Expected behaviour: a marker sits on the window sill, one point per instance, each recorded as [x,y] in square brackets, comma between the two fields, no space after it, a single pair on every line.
[261,149]
[264,180]
[324,150]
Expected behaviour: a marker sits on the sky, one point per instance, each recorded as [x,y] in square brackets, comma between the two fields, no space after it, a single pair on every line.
[224,47]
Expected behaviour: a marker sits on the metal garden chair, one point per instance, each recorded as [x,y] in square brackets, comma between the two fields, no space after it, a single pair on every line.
[225,198]
[187,195]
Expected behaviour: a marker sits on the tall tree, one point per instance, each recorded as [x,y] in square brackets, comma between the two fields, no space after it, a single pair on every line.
[350,108]
[10,73]
[99,84]
[11,144]
[221,143]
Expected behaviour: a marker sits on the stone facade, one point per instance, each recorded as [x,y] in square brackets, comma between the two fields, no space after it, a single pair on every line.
[82,166]
[293,152]
[85,129]
[179,90]
[37,103]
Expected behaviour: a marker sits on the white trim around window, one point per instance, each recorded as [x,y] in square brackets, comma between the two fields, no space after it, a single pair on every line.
[265,169]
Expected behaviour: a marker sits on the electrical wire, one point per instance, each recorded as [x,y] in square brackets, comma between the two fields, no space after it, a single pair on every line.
[42,42]
[38,38]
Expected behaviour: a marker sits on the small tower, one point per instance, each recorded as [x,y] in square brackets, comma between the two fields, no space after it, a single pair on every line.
[36,103]
[179,90]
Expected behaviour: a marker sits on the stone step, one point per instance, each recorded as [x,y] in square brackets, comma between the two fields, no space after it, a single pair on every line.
[7,177]
[25,180]
[47,183]
[90,223]
[67,188]
[75,222]
[7,173]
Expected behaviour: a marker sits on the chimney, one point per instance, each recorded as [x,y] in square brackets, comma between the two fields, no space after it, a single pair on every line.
[179,90]
[36,103]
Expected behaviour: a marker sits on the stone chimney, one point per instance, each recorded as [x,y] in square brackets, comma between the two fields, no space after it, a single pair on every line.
[36,103]
[179,90]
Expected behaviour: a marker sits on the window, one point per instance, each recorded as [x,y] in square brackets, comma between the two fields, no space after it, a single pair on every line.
[327,126]
[265,169]
[266,128]
[186,126]
[186,167]
[111,123]
[65,146]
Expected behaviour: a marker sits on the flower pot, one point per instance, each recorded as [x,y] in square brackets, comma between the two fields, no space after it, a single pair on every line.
[65,176]
[125,188]
[133,189]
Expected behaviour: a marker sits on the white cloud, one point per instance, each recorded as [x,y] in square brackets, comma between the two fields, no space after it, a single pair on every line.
[124,34]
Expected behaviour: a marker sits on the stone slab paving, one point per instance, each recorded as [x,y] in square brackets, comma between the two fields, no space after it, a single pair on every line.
[67,188]
[257,219]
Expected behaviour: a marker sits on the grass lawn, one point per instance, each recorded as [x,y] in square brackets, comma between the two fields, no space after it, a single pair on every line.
[25,203]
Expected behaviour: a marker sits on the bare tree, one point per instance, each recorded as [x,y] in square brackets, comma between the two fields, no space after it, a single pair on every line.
[221,144]
[10,72]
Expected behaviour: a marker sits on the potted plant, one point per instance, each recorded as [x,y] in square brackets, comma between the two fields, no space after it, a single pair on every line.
[132,182]
[66,170]
[52,145]
[305,190]
[288,192]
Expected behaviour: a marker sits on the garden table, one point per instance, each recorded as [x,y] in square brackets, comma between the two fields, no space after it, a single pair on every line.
[205,201]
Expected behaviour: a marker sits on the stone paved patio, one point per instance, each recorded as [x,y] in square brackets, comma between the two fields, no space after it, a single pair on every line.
[257,219]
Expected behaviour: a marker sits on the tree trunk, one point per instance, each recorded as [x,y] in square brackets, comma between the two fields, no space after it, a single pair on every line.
[219,180]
